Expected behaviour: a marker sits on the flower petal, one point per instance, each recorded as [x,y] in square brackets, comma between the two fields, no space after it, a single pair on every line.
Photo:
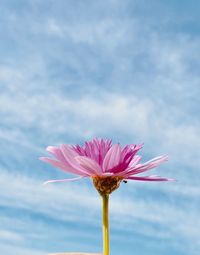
[112,158]
[64,180]
[157,159]
[149,178]
[131,166]
[135,160]
[62,166]
[70,155]
[140,168]
[56,152]
[89,165]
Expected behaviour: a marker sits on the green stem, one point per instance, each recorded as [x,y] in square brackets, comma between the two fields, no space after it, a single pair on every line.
[105,222]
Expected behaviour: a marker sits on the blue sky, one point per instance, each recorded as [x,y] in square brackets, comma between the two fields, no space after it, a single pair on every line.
[74,70]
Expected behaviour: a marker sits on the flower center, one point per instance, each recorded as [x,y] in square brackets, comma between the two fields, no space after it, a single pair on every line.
[106,185]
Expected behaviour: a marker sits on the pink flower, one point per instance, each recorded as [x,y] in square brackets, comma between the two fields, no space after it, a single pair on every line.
[101,160]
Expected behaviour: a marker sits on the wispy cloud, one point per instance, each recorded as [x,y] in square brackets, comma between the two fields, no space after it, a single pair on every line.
[84,116]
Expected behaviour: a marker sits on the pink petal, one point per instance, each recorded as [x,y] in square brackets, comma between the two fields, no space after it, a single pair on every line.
[70,155]
[68,152]
[57,153]
[92,151]
[89,165]
[64,180]
[149,178]
[157,159]
[134,161]
[112,157]
[62,166]
[108,174]
[147,166]
[79,150]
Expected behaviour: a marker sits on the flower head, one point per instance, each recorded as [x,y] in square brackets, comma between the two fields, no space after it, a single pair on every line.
[106,163]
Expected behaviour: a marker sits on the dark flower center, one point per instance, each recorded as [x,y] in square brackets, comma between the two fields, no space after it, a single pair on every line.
[106,185]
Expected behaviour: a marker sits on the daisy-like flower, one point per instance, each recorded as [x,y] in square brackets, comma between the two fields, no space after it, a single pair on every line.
[108,165]
[105,163]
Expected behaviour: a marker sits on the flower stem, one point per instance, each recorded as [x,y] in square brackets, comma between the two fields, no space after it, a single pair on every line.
[105,222]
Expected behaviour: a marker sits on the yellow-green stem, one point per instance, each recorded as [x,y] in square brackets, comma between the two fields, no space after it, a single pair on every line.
[105,221]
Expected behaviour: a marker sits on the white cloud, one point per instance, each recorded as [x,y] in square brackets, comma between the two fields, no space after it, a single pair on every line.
[9,249]
[10,236]
[89,116]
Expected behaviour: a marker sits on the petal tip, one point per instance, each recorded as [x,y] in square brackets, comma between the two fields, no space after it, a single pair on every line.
[172,180]
[42,158]
[49,148]
[44,183]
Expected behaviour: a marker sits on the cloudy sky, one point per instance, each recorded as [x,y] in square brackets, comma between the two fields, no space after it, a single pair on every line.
[73,70]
